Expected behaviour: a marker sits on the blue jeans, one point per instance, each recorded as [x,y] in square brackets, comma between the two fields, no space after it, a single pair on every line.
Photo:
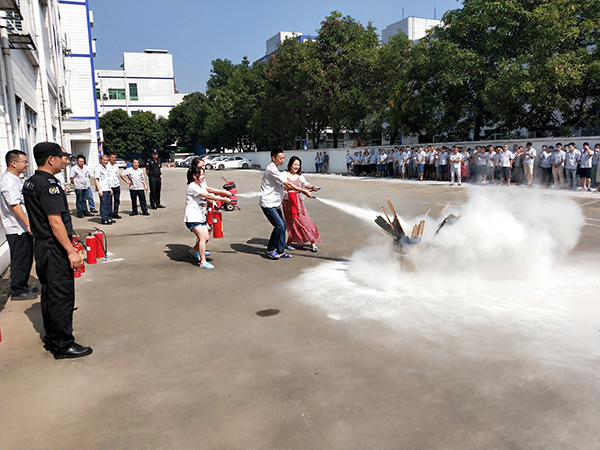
[90,198]
[105,206]
[277,239]
[571,178]
[80,197]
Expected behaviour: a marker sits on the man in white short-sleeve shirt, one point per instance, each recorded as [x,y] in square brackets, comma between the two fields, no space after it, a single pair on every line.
[529,155]
[135,178]
[101,178]
[16,225]
[80,177]
[271,197]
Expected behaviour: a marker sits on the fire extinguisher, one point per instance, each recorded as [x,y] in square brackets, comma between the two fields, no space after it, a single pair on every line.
[217,221]
[90,245]
[293,197]
[79,247]
[209,216]
[101,243]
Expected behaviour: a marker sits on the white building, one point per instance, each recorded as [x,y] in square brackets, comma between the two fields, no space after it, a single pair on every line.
[146,83]
[47,84]
[413,27]
[274,42]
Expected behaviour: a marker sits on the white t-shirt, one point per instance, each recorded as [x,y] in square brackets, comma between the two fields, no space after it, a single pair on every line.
[81,177]
[195,204]
[271,188]
[102,175]
[11,194]
[529,155]
[571,159]
[505,157]
[546,160]
[558,157]
[443,158]
[136,177]
[113,175]
[586,159]
[465,157]
[455,160]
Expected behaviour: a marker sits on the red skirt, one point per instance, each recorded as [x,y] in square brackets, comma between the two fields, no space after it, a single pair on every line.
[301,229]
[465,171]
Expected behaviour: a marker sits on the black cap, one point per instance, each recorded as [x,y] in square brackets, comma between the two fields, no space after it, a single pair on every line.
[154,151]
[45,149]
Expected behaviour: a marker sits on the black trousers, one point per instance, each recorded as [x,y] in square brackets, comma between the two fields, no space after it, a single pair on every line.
[136,194]
[116,195]
[155,185]
[21,260]
[58,293]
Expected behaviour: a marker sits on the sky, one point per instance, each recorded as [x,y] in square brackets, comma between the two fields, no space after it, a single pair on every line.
[197,32]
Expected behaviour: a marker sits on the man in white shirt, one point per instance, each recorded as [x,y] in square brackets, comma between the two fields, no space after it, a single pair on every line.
[348,161]
[271,197]
[506,162]
[80,178]
[16,225]
[558,166]
[115,185]
[529,155]
[546,165]
[455,162]
[134,177]
[102,180]
[572,158]
[585,167]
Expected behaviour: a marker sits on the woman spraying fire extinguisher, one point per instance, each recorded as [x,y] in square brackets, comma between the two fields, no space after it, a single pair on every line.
[300,227]
[196,206]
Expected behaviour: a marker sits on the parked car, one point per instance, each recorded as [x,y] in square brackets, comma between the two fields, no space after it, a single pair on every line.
[120,162]
[213,162]
[233,162]
[185,162]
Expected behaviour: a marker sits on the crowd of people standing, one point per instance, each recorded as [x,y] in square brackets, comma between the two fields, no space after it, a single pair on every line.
[554,166]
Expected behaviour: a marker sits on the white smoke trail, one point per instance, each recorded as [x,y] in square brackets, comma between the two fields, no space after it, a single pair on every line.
[248,194]
[499,275]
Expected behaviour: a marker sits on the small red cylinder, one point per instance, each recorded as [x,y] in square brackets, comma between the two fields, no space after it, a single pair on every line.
[217,221]
[99,235]
[90,244]
[293,197]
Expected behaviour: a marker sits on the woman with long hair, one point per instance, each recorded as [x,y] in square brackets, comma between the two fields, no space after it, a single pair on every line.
[301,229]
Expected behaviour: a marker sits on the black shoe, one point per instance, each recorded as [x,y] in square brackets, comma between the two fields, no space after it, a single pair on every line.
[87,214]
[107,222]
[80,216]
[153,207]
[27,295]
[161,206]
[33,289]
[145,213]
[92,210]
[75,351]
[116,216]
[133,213]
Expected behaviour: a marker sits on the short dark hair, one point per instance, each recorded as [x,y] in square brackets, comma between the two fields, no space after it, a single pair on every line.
[111,153]
[292,160]
[82,157]
[135,159]
[13,155]
[274,153]
[529,143]
[585,143]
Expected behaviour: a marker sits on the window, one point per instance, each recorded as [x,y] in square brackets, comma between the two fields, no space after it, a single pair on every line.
[133,94]
[97,94]
[116,94]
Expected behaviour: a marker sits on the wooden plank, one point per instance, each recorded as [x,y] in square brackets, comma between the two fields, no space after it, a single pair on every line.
[442,211]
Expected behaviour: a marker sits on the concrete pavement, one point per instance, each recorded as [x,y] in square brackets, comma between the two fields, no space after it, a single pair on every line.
[182,360]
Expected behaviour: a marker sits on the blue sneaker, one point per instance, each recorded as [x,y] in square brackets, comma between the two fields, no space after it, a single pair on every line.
[195,255]
[206,266]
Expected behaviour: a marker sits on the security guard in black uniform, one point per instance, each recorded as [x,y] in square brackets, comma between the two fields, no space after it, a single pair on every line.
[153,171]
[55,256]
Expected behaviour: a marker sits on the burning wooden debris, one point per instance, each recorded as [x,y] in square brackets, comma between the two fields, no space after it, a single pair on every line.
[393,229]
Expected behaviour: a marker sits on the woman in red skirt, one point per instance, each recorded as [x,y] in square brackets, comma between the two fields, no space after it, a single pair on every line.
[300,227]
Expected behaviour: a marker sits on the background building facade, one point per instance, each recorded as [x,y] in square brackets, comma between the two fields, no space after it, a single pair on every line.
[146,83]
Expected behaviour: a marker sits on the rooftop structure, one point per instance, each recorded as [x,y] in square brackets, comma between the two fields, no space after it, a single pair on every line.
[413,27]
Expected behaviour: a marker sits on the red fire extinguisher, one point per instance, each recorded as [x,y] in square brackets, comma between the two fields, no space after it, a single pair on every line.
[293,197]
[90,245]
[101,243]
[217,221]
[79,247]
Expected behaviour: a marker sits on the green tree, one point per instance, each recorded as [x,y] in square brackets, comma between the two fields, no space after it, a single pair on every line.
[187,120]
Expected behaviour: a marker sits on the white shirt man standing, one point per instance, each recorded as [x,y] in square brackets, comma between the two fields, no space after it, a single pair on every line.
[16,225]
[80,177]
[271,198]
[134,177]
[529,155]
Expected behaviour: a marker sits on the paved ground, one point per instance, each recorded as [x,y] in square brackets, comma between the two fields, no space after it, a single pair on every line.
[182,361]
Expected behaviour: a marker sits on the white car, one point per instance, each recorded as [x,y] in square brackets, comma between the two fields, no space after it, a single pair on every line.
[120,162]
[213,162]
[233,162]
